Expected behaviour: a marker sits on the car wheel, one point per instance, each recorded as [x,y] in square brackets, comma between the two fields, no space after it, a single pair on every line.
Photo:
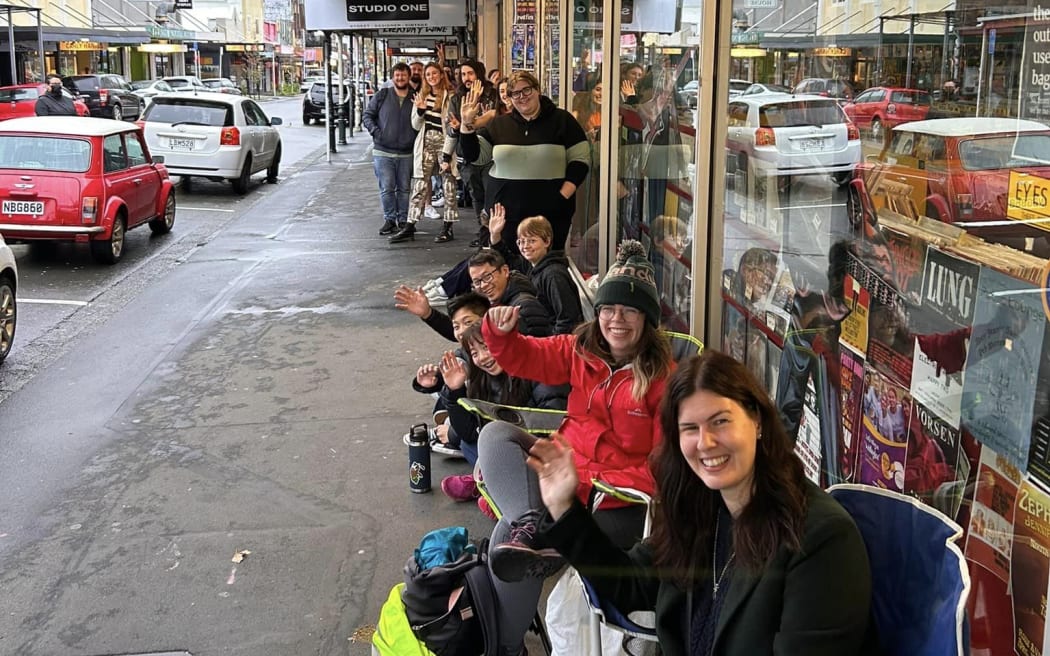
[118,113]
[854,209]
[306,119]
[109,251]
[275,167]
[162,224]
[8,316]
[876,129]
[240,184]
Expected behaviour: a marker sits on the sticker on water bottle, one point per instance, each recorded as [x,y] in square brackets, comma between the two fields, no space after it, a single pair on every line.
[415,474]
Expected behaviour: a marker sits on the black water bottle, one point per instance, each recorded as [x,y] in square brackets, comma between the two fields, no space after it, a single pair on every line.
[419,459]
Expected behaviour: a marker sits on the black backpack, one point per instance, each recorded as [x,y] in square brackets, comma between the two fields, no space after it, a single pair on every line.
[452,608]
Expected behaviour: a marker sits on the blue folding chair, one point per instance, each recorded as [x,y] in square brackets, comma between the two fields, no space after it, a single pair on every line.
[920,581]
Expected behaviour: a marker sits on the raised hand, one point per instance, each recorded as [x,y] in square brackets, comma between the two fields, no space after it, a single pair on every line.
[504,318]
[453,122]
[552,461]
[453,371]
[427,375]
[412,300]
[627,89]
[497,221]
[421,100]
[468,111]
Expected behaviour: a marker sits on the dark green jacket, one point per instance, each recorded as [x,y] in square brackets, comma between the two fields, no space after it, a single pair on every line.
[812,603]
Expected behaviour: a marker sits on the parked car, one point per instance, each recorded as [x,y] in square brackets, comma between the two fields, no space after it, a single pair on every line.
[365,89]
[20,100]
[784,135]
[988,175]
[689,92]
[881,108]
[186,83]
[80,179]
[106,96]
[8,300]
[313,102]
[759,87]
[147,89]
[827,87]
[215,136]
[736,87]
[222,85]
[309,81]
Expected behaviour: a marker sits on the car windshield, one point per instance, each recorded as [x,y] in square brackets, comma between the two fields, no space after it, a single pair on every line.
[1005,152]
[42,153]
[190,111]
[910,97]
[141,84]
[800,112]
[11,95]
[179,84]
[89,83]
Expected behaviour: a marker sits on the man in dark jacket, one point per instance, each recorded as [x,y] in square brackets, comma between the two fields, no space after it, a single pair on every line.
[539,156]
[53,103]
[492,278]
[388,118]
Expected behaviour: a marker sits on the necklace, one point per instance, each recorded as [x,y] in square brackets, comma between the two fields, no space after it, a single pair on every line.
[715,582]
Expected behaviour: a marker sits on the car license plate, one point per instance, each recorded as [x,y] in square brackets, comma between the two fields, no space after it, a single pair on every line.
[180,144]
[809,145]
[33,207]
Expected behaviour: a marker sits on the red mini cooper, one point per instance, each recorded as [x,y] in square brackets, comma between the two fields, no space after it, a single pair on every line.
[80,179]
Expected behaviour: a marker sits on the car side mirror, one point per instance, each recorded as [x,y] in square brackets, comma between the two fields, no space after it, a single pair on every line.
[158,159]
[276,120]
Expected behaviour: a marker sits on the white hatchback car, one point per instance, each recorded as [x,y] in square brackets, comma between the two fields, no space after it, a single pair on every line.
[779,134]
[213,135]
[8,306]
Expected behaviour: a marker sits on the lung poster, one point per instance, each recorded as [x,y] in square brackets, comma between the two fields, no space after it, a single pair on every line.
[1001,365]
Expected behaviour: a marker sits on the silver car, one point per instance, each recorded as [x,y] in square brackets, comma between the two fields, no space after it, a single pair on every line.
[8,305]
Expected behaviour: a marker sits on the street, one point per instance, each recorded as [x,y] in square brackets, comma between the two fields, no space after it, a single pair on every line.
[240,385]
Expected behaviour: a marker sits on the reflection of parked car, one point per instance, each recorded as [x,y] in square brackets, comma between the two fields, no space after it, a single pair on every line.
[215,136]
[8,302]
[80,179]
[20,100]
[222,85]
[882,108]
[147,89]
[736,87]
[758,88]
[987,175]
[827,87]
[784,135]
[313,102]
[309,81]
[689,92]
[106,96]
[186,83]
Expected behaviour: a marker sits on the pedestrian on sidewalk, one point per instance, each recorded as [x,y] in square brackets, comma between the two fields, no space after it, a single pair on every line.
[53,103]
[430,119]
[485,96]
[388,119]
[539,156]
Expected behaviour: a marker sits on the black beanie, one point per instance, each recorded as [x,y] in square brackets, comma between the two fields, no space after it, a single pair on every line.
[631,282]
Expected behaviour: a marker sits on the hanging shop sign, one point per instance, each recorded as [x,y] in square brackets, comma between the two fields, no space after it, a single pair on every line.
[593,11]
[245,47]
[158,32]
[746,38]
[162,47]
[414,31]
[81,46]
[383,14]
[184,4]
[833,51]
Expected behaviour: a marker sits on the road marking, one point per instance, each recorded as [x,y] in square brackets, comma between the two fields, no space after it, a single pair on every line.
[51,301]
[204,209]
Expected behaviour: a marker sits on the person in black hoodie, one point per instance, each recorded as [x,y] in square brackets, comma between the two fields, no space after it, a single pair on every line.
[548,270]
[53,103]
[492,278]
[528,175]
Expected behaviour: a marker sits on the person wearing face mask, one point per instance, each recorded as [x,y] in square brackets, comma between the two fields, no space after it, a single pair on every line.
[539,155]
[54,103]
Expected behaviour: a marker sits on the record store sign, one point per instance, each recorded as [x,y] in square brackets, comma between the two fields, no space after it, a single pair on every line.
[377,10]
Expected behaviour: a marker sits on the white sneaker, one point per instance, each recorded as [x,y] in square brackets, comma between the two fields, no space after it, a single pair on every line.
[438,202]
[431,213]
[437,296]
[432,283]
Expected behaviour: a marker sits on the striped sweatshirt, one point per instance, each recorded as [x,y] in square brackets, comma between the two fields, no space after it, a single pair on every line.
[530,161]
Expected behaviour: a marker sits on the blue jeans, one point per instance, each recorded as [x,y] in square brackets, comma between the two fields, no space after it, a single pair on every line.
[395,182]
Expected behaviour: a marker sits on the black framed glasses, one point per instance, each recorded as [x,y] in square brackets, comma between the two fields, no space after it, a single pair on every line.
[483,280]
[520,93]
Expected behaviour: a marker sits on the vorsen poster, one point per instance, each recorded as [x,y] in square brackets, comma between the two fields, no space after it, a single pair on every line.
[936,469]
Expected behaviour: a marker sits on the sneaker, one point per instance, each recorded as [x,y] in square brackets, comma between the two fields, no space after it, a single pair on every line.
[437,446]
[437,295]
[486,509]
[389,228]
[431,213]
[523,555]
[460,488]
[440,416]
[433,283]
[438,202]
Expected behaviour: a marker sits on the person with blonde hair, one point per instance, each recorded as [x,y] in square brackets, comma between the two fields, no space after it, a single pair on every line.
[539,156]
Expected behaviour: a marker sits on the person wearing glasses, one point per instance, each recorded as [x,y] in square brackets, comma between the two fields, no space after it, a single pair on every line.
[539,156]
[547,269]
[617,367]
[492,278]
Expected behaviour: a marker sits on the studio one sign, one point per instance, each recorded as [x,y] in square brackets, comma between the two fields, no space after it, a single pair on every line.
[373,10]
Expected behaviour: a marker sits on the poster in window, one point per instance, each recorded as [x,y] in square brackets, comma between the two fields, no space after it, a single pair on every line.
[807,445]
[851,391]
[773,356]
[734,333]
[855,325]
[1030,568]
[988,536]
[756,353]
[937,468]
[885,414]
[1039,452]
[1002,365]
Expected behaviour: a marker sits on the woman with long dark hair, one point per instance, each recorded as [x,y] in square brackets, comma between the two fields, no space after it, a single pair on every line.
[747,557]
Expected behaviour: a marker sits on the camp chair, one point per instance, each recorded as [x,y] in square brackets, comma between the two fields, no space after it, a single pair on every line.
[920,581]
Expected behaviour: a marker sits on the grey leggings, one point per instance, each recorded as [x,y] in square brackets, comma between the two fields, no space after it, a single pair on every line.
[515,490]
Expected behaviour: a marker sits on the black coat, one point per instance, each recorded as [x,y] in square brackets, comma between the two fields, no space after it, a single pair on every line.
[533,318]
[557,291]
[51,105]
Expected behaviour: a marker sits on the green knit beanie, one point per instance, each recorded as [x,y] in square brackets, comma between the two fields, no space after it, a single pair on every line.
[631,282]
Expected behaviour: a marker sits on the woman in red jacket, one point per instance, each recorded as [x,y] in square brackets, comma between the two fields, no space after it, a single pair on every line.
[617,366]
